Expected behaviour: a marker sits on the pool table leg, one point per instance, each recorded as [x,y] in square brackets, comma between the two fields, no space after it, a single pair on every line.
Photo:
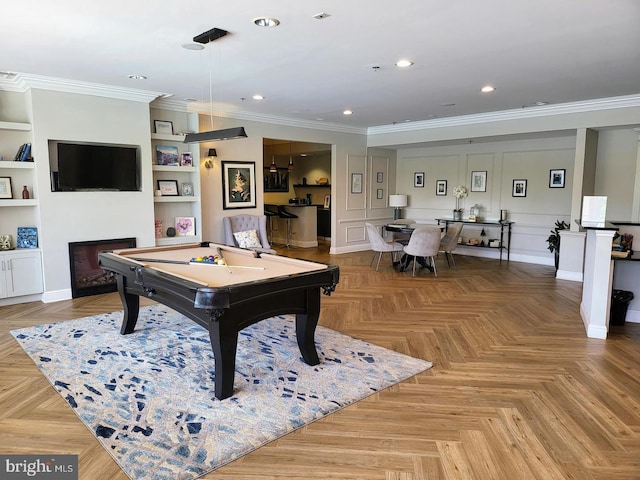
[224,345]
[131,306]
[306,327]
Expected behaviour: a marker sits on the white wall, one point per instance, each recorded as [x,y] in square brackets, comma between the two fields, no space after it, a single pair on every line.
[534,215]
[615,171]
[77,216]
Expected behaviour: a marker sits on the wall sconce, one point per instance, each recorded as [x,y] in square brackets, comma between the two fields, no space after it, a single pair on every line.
[208,163]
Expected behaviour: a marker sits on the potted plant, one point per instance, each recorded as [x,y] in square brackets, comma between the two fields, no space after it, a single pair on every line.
[458,192]
[553,240]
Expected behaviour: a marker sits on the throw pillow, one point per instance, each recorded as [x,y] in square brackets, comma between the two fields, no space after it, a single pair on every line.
[247,239]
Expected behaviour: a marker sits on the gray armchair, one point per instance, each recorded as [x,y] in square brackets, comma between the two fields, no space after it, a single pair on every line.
[246,223]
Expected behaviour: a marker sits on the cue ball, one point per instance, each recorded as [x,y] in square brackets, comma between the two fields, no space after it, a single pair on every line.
[171,232]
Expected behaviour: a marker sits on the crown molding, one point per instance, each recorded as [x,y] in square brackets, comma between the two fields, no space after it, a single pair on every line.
[21,82]
[593,105]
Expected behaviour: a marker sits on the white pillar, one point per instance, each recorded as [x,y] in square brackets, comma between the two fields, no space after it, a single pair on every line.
[598,278]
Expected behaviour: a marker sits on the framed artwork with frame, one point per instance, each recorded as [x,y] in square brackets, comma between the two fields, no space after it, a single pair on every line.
[186,159]
[479,181]
[187,189]
[379,194]
[379,177]
[167,155]
[519,188]
[169,188]
[5,187]
[185,226]
[276,181]
[441,187]
[238,185]
[327,201]
[164,127]
[356,183]
[418,180]
[556,178]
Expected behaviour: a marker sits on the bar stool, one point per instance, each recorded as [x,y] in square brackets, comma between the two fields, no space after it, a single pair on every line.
[282,213]
[270,214]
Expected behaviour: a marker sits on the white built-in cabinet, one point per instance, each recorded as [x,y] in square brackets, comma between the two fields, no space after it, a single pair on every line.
[20,269]
[168,208]
[20,272]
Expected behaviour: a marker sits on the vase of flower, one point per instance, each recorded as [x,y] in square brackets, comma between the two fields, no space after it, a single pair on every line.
[458,192]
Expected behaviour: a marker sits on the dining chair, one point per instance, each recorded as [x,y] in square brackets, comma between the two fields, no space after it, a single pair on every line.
[449,242]
[379,245]
[424,242]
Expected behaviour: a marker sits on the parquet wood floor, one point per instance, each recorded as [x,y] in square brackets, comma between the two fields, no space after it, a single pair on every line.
[517,390]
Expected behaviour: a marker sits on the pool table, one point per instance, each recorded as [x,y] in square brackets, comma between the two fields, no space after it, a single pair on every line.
[223,298]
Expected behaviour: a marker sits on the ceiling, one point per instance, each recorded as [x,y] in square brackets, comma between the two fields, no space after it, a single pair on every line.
[311,70]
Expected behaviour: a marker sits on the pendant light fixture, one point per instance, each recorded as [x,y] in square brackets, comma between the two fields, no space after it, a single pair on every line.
[213,135]
[290,166]
[273,168]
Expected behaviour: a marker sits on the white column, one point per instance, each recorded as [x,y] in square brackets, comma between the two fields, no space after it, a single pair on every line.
[596,287]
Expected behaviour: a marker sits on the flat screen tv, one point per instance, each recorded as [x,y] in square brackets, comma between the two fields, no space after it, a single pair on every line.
[95,167]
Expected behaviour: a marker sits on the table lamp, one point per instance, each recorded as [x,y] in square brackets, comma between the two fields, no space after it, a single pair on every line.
[397,202]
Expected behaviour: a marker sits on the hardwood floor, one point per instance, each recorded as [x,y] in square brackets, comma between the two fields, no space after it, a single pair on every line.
[517,390]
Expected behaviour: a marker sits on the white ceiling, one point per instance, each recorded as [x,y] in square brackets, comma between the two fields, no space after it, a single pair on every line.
[554,51]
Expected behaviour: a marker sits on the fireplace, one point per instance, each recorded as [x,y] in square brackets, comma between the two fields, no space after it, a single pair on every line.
[87,278]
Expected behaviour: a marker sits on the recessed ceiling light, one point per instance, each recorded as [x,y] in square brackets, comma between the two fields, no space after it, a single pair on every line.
[258,97]
[192,46]
[321,16]
[266,22]
[539,104]
[137,77]
[347,112]
[447,104]
[404,63]
[488,89]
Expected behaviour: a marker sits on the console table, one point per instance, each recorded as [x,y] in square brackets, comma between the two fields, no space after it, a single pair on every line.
[495,223]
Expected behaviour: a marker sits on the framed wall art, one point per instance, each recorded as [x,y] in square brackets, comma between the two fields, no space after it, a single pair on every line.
[5,187]
[167,155]
[164,127]
[186,159]
[187,189]
[276,181]
[479,181]
[379,194]
[519,188]
[418,179]
[356,183]
[168,188]
[327,201]
[379,177]
[556,178]
[441,187]
[238,185]
[185,226]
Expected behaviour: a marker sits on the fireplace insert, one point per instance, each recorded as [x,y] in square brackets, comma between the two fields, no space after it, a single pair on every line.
[87,278]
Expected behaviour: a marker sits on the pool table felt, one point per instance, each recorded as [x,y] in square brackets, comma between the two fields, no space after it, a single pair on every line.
[218,275]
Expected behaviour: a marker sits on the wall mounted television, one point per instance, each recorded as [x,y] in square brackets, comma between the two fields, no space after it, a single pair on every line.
[81,167]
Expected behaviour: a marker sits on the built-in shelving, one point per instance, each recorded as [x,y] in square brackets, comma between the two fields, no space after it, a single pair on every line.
[168,207]
[176,199]
[309,185]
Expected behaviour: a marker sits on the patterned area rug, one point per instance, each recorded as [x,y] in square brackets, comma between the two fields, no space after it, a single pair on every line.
[148,397]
